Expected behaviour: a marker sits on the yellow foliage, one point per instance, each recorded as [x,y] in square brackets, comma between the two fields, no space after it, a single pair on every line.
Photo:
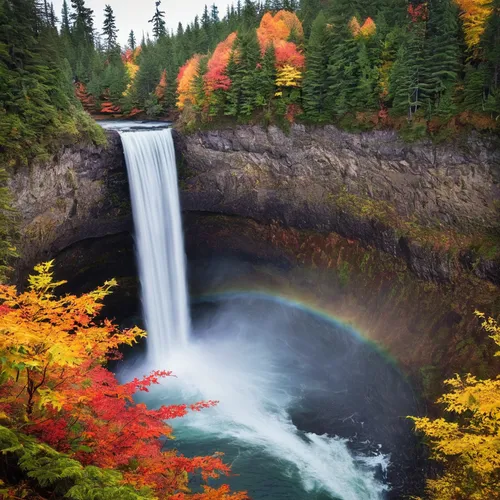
[474,15]
[468,444]
[42,334]
[288,76]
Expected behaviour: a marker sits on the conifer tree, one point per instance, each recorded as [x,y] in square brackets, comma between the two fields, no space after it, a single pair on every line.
[491,47]
[441,57]
[65,27]
[132,43]
[109,29]
[158,21]
[266,78]
[315,79]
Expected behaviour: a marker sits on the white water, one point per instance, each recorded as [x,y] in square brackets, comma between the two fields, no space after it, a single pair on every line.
[239,370]
[152,171]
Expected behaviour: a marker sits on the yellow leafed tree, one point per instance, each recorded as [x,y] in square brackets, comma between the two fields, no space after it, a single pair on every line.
[467,441]
[44,336]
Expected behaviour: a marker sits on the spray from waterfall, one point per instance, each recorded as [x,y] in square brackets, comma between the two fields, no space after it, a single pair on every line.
[150,158]
[247,375]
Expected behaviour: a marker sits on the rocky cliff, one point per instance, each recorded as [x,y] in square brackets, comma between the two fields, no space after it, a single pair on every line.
[436,206]
[81,193]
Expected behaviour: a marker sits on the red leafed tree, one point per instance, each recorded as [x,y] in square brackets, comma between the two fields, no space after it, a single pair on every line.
[216,77]
[55,386]
[84,97]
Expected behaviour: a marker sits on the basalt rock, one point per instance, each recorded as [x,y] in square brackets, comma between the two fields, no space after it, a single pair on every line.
[302,179]
[81,193]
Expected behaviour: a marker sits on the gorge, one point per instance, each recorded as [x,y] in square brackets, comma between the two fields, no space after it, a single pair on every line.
[260,216]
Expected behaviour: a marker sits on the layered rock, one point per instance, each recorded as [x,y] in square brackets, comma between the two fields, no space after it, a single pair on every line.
[372,187]
[81,193]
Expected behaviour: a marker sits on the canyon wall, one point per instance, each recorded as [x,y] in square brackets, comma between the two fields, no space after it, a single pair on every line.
[436,206]
[81,193]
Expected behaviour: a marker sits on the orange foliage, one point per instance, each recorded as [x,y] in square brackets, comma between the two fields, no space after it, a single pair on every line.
[368,29]
[161,87]
[84,97]
[109,107]
[276,30]
[185,81]
[215,78]
[474,15]
[54,386]
[129,58]
[354,26]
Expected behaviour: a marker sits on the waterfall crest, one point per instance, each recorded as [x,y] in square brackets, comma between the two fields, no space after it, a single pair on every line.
[150,158]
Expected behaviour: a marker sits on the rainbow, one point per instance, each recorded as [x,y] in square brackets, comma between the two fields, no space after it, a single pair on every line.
[307,305]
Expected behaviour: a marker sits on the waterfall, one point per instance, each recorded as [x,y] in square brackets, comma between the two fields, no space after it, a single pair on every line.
[152,172]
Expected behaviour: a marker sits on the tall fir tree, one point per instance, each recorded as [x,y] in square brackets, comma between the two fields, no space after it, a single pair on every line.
[315,85]
[109,30]
[132,42]
[158,21]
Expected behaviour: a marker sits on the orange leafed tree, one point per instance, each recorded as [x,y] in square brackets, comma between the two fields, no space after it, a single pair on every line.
[366,30]
[474,15]
[278,29]
[185,81]
[290,61]
[52,352]
[162,86]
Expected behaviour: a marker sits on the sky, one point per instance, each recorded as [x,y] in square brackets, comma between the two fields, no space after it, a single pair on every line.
[135,14]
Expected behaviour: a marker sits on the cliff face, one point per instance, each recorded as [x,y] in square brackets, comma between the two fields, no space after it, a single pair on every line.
[81,193]
[399,198]
[372,187]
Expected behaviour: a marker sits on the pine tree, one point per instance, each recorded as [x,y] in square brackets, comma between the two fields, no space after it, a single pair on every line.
[249,58]
[315,79]
[491,47]
[266,79]
[109,30]
[83,23]
[132,43]
[441,57]
[65,27]
[158,21]
[366,94]
[309,10]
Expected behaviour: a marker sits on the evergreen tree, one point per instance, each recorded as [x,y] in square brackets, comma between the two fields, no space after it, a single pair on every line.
[266,78]
[309,10]
[83,23]
[109,29]
[441,57]
[158,21]
[132,43]
[315,79]
[65,27]
[491,48]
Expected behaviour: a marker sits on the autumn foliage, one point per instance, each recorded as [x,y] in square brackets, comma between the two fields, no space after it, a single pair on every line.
[474,14]
[216,77]
[55,387]
[467,440]
[185,80]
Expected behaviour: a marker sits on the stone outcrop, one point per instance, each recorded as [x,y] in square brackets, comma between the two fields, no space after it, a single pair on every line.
[81,193]
[372,187]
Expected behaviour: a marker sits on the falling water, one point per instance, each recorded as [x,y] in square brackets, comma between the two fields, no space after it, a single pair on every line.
[150,158]
[245,374]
